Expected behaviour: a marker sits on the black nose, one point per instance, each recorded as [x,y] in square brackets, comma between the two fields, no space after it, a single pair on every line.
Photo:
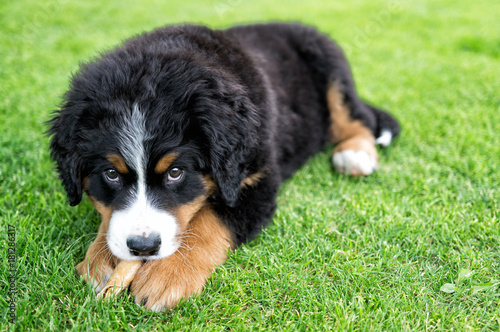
[144,246]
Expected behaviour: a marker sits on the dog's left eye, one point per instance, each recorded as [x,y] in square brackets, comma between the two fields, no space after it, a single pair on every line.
[175,174]
[112,175]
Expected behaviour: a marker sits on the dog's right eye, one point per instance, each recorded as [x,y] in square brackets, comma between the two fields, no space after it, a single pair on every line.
[112,176]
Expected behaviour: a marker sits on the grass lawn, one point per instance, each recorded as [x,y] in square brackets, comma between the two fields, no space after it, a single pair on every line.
[414,247]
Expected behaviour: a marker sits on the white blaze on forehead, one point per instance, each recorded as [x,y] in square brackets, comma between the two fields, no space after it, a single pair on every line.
[132,137]
[140,217]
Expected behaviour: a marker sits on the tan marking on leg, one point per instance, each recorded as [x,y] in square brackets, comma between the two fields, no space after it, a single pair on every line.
[342,127]
[164,282]
[165,162]
[99,262]
[118,163]
[347,133]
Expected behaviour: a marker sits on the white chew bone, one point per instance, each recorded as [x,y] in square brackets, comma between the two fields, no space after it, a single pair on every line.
[122,276]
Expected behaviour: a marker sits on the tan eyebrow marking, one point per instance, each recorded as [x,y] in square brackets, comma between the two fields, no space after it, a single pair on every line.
[118,163]
[165,162]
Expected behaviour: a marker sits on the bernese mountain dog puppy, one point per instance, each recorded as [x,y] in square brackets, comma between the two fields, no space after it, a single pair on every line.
[182,136]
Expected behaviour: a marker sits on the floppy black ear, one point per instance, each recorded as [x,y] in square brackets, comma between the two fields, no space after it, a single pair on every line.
[232,131]
[64,152]
[228,172]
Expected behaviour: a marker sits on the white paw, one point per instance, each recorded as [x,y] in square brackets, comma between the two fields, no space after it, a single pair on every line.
[354,162]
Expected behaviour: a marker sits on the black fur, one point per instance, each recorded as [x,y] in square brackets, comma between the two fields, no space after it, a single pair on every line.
[245,100]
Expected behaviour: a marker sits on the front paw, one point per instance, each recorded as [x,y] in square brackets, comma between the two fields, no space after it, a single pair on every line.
[160,285]
[96,269]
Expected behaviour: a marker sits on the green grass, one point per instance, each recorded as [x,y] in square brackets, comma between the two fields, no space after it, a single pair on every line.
[341,253]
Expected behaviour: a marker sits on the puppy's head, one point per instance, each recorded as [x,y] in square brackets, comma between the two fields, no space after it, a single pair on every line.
[150,138]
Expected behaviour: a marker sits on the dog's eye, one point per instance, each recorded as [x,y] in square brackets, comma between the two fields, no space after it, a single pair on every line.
[112,175]
[175,174]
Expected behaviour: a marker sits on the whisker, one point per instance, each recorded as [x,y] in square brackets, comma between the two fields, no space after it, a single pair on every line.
[105,247]
[186,261]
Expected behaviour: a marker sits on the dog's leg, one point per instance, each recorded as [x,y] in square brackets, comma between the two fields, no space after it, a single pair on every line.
[99,262]
[355,153]
[355,126]
[160,284]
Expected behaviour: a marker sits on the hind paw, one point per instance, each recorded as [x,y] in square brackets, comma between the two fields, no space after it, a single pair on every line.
[356,156]
[354,162]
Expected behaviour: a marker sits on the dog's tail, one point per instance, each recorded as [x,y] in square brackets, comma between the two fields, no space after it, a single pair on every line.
[387,126]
